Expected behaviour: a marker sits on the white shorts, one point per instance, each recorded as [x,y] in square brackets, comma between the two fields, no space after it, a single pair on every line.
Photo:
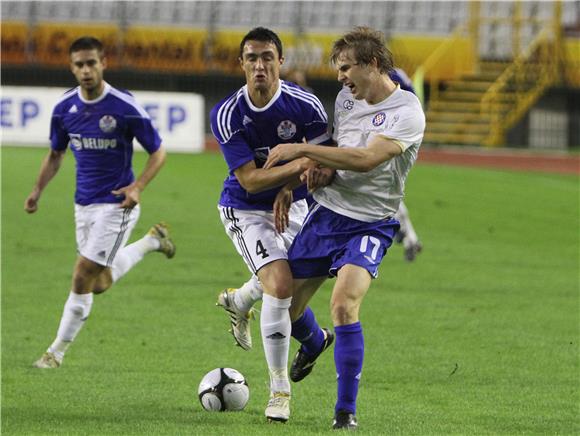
[254,234]
[103,229]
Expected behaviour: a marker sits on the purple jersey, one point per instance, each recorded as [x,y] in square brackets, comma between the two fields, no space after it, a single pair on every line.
[100,133]
[399,76]
[247,133]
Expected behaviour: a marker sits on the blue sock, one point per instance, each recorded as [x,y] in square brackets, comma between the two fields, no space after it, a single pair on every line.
[307,331]
[348,357]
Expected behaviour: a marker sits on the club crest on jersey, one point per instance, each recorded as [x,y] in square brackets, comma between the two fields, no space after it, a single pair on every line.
[107,123]
[348,104]
[286,129]
[379,119]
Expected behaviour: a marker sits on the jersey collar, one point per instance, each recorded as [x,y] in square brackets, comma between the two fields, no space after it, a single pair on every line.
[106,90]
[270,103]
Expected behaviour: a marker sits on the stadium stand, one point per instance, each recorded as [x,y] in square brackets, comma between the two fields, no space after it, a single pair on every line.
[471,56]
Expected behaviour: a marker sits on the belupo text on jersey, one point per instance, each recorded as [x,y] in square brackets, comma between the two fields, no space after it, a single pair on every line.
[79,142]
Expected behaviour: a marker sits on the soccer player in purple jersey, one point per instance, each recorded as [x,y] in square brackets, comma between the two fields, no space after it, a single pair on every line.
[406,234]
[99,123]
[248,124]
[379,128]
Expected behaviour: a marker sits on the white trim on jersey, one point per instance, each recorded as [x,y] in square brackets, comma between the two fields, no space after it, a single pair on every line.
[319,139]
[270,103]
[67,95]
[224,117]
[129,99]
[311,99]
[96,100]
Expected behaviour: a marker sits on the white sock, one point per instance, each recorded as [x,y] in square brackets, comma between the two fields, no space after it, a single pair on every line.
[247,295]
[76,311]
[407,228]
[276,327]
[132,254]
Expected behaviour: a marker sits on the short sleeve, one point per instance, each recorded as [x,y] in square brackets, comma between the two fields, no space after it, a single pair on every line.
[228,130]
[147,135]
[59,138]
[405,127]
[316,126]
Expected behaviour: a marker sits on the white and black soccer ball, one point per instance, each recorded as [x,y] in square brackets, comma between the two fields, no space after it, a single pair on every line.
[223,389]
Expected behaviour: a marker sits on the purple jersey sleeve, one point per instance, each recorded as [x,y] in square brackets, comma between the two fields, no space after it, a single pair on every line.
[59,138]
[317,124]
[227,127]
[140,125]
[145,133]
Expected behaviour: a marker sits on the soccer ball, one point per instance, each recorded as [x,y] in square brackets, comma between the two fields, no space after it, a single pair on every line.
[223,389]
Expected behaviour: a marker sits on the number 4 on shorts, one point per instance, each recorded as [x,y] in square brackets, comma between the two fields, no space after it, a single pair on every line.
[261,250]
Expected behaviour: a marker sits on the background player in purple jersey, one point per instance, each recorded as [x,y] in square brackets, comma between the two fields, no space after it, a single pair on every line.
[379,128]
[406,234]
[247,125]
[99,123]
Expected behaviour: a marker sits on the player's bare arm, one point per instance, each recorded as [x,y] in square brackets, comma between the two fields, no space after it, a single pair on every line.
[48,169]
[317,177]
[132,192]
[363,159]
[255,179]
[314,177]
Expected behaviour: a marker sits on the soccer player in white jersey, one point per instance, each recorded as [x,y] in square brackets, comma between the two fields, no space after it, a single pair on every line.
[248,124]
[98,123]
[379,128]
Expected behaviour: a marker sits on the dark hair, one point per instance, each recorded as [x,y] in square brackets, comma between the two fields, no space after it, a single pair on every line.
[264,35]
[366,44]
[87,43]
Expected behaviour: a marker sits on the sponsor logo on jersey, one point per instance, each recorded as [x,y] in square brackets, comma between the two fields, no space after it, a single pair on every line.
[247,120]
[379,119]
[107,123]
[73,109]
[348,104]
[77,142]
[286,129]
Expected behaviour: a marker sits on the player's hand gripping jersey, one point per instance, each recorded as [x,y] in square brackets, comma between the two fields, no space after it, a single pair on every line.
[100,133]
[374,195]
[247,133]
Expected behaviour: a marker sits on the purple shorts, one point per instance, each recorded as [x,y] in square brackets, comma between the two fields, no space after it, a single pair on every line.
[328,241]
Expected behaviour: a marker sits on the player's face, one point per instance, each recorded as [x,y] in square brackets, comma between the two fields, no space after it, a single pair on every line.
[88,66]
[261,64]
[353,75]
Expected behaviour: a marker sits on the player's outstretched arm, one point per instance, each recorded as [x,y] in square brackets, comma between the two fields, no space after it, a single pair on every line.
[48,169]
[132,192]
[256,180]
[360,159]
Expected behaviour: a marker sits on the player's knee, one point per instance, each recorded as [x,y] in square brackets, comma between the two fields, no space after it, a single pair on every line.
[85,274]
[281,289]
[344,311]
[103,282]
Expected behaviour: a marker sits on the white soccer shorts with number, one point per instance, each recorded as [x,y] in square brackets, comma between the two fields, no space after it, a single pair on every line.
[254,234]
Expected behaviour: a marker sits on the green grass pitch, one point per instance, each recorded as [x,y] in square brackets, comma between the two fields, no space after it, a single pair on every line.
[479,336]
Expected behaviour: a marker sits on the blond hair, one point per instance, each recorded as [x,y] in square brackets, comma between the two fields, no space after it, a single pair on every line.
[366,44]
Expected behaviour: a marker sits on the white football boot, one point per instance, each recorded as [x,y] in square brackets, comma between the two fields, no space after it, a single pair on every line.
[239,320]
[278,408]
[47,361]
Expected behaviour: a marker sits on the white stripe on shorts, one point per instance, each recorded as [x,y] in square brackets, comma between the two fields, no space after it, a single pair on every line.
[229,215]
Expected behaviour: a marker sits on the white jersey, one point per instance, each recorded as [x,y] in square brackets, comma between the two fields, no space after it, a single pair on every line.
[374,195]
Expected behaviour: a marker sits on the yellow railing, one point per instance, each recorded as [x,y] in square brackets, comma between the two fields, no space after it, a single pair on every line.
[444,53]
[522,83]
